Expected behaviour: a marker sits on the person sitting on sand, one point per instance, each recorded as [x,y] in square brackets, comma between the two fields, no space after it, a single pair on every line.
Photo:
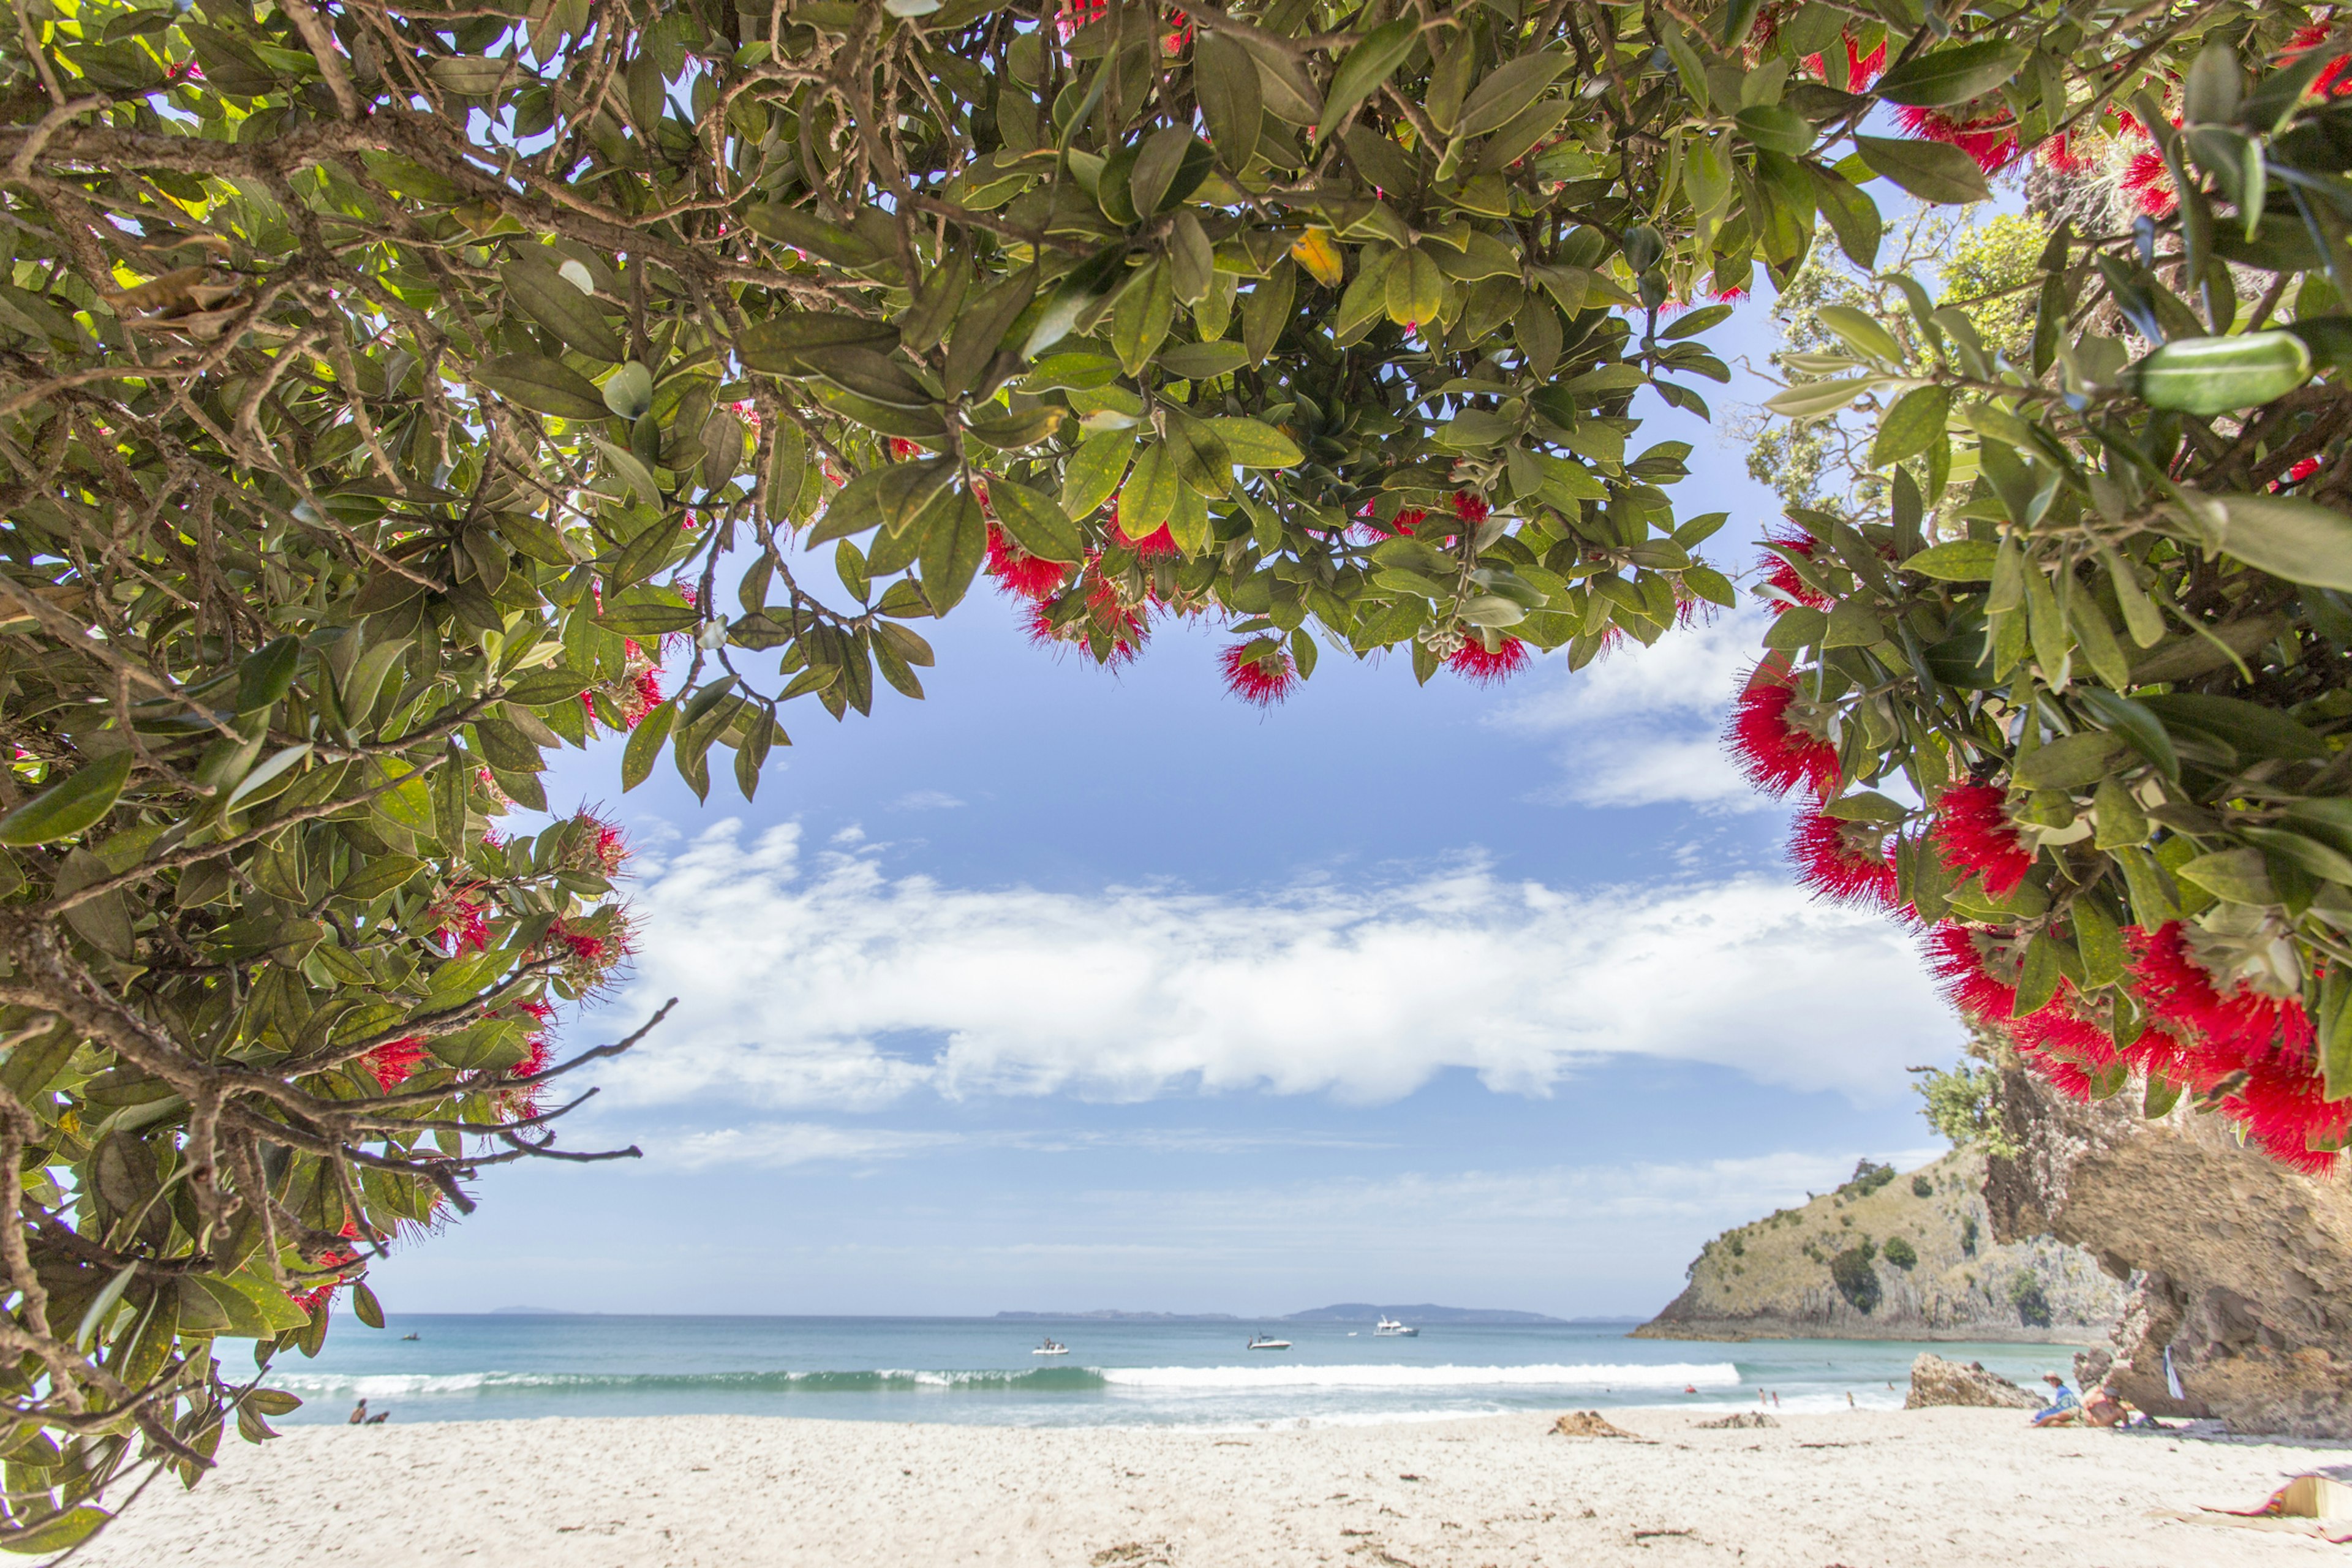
[2065,1407]
[380,1418]
[359,1413]
[2100,1408]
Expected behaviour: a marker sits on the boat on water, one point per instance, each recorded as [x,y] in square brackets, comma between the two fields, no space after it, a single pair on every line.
[1267,1343]
[1052,1347]
[1390,1329]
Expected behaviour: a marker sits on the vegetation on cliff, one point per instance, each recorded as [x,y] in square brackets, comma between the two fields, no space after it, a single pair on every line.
[1885,1258]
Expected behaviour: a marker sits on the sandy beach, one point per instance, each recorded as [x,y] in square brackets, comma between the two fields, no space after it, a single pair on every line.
[1863,1489]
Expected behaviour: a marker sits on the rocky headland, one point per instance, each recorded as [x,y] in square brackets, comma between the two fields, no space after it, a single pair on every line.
[1893,1255]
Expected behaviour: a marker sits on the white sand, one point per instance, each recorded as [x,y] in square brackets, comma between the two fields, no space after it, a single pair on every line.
[1868,1489]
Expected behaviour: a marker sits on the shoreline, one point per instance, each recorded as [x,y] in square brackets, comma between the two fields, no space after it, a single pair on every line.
[1968,1488]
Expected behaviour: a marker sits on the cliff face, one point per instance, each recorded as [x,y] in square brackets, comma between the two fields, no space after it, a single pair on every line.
[2248,1264]
[1892,1258]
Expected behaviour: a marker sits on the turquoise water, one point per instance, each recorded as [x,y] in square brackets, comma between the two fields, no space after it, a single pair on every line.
[467,1368]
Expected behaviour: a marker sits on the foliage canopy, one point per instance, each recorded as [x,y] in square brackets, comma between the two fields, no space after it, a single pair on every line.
[382,384]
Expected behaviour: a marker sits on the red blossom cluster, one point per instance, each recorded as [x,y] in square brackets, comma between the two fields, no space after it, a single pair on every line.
[1778,574]
[2251,1053]
[1861,70]
[1973,834]
[1989,138]
[393,1061]
[463,921]
[1845,862]
[1470,506]
[1260,671]
[1773,737]
[1020,573]
[1482,666]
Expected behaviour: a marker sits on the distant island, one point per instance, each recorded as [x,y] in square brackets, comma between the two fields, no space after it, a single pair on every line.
[541,1312]
[1112,1314]
[1343,1312]
[1428,1313]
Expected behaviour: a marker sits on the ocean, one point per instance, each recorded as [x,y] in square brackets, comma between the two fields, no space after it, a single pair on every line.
[1118,1373]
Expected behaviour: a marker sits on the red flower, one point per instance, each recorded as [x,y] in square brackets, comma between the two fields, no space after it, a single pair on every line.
[1259,672]
[1861,70]
[1779,574]
[2257,1049]
[1990,139]
[1963,961]
[1845,862]
[1151,547]
[2061,153]
[393,1061]
[1470,506]
[1021,574]
[465,921]
[1973,834]
[2150,183]
[1474,663]
[1775,754]
[900,447]
[2331,82]
[2297,474]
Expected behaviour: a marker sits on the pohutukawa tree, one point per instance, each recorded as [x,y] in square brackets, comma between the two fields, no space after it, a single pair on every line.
[381,385]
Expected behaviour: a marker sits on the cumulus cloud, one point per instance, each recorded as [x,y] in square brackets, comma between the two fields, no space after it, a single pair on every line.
[809,980]
[927,800]
[1642,728]
[778,1143]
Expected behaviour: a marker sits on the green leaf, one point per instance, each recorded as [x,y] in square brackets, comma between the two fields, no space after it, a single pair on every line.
[629,391]
[1256,443]
[69,806]
[1956,74]
[1956,560]
[543,385]
[2069,761]
[779,343]
[1035,524]
[1914,424]
[645,745]
[1225,82]
[549,297]
[2297,540]
[1367,65]
[1506,92]
[60,1531]
[1863,333]
[2234,876]
[1198,362]
[1150,493]
[955,541]
[364,1305]
[1811,399]
[2220,375]
[1092,474]
[1932,170]
[1776,127]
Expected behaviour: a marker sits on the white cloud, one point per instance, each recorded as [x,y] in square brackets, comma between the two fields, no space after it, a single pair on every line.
[1644,725]
[927,800]
[777,1143]
[830,984]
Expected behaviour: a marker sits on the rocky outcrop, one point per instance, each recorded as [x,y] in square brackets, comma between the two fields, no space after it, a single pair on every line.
[1935,1381]
[2244,1266]
[1889,1257]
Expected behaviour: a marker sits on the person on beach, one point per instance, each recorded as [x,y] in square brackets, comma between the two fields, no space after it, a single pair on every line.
[2102,1408]
[359,1413]
[2064,1405]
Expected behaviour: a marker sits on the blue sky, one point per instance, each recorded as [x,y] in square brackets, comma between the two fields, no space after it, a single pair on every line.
[1074,989]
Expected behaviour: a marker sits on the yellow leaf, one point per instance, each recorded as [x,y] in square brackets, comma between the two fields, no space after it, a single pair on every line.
[1316,253]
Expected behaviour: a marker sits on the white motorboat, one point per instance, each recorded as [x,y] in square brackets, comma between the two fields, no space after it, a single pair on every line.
[1390,1329]
[1267,1343]
[1052,1347]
